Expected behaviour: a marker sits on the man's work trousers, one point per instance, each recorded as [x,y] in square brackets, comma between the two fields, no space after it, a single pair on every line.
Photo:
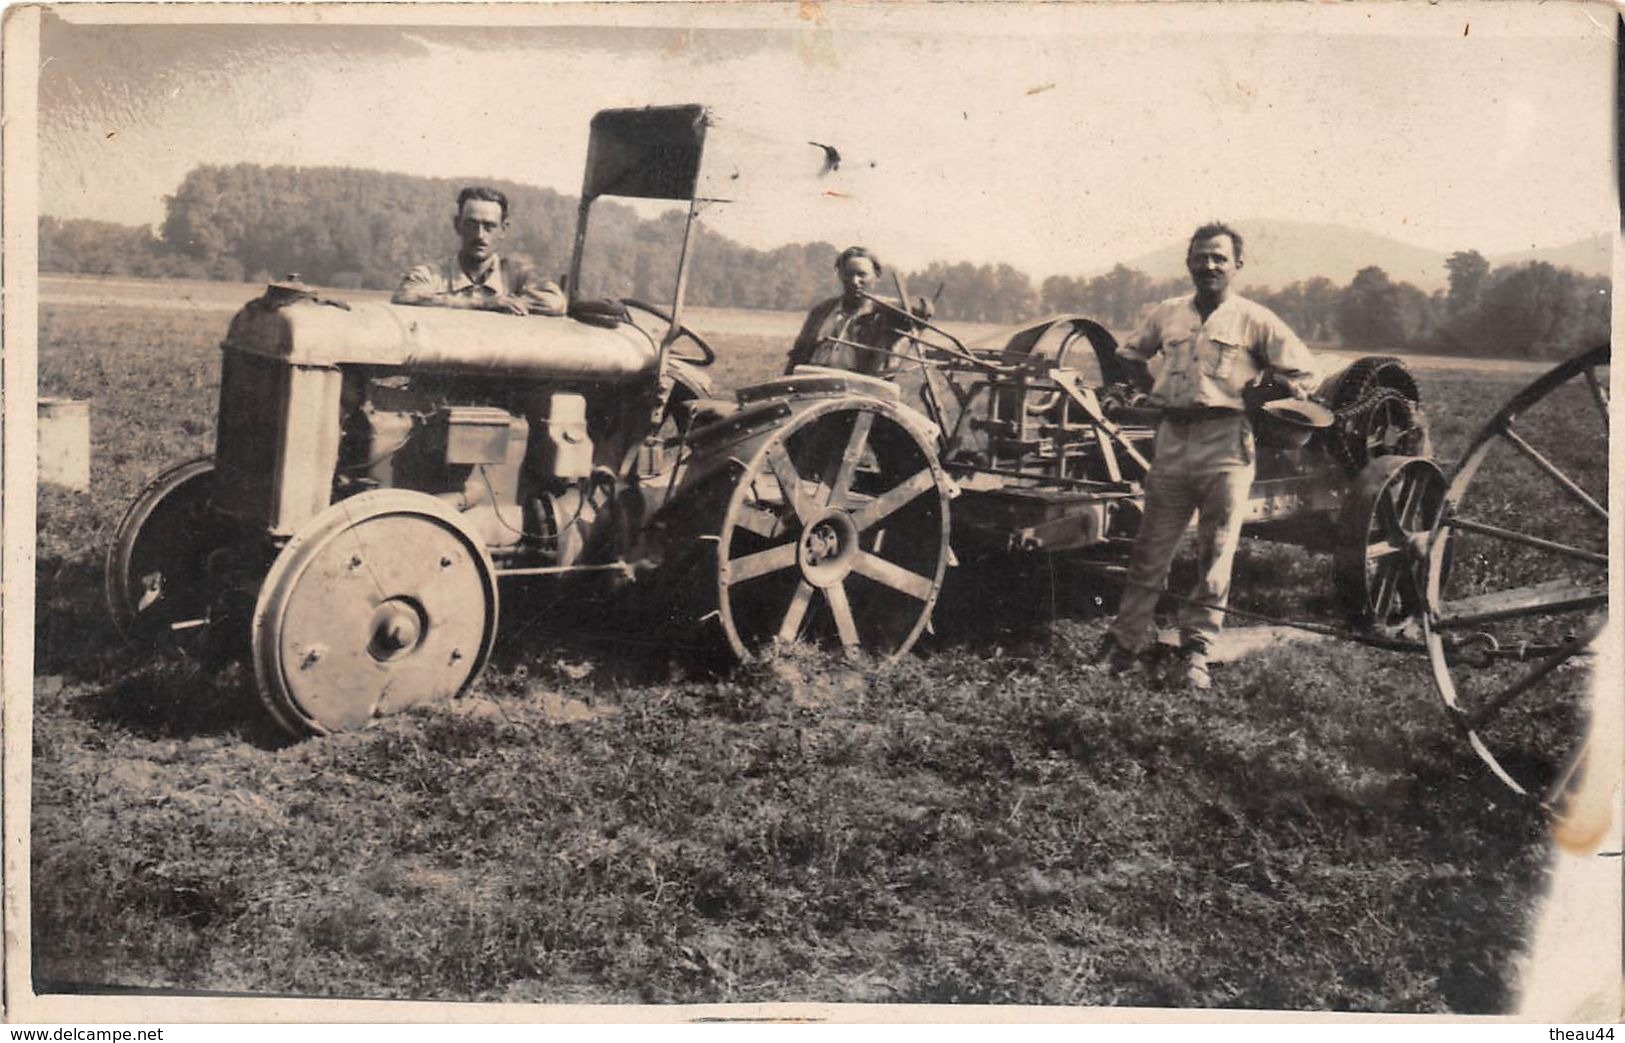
[1203,467]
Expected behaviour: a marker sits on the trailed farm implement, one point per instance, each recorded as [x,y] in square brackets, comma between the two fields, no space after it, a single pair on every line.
[382,473]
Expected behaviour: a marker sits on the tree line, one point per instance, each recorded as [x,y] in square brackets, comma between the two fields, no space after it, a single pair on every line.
[349,229]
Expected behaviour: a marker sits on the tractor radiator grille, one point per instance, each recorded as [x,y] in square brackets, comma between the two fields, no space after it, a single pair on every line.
[248,434]
[276,441]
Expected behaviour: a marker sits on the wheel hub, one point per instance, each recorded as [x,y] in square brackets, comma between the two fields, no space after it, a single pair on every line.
[397,629]
[827,548]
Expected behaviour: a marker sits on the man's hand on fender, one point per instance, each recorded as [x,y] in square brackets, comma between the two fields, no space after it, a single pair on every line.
[507,303]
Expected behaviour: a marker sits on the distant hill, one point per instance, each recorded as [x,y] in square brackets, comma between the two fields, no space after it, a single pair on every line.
[1588,256]
[1282,252]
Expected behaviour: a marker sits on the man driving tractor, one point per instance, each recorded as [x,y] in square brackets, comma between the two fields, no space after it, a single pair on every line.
[851,331]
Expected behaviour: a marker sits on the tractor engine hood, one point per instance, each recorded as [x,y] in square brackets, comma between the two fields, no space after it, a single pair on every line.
[308,332]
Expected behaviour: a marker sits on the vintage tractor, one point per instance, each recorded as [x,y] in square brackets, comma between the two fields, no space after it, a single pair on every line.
[381,472]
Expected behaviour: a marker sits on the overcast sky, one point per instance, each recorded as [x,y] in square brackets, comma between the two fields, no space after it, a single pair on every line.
[1060,138]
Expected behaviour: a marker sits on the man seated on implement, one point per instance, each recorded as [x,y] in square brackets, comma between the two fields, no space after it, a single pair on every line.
[477,278]
[1213,345]
[851,331]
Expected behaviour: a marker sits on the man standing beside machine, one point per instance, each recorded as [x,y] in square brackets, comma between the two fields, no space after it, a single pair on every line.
[1214,344]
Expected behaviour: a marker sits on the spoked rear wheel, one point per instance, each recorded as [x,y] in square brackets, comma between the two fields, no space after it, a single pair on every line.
[1517,587]
[835,533]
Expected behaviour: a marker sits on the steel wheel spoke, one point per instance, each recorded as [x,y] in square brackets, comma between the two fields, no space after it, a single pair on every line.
[778,461]
[759,520]
[894,499]
[1386,437]
[1550,468]
[1382,430]
[841,609]
[1383,596]
[1410,584]
[842,483]
[892,575]
[1389,517]
[761,563]
[1410,502]
[1599,393]
[1373,437]
[1546,598]
[796,612]
[1571,764]
[1513,536]
[1479,717]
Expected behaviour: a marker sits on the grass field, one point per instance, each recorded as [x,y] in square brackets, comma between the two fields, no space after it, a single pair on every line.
[983,822]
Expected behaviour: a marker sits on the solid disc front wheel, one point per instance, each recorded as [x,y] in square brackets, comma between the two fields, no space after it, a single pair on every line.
[836,534]
[381,603]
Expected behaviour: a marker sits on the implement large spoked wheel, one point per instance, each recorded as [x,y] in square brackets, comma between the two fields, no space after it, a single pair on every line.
[1518,577]
[835,533]
[382,602]
[158,589]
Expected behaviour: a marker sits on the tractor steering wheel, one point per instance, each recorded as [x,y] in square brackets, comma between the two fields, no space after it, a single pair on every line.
[708,354]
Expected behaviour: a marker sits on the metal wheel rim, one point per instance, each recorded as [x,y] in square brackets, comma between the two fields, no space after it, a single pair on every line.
[1382,562]
[457,571]
[122,602]
[924,484]
[1441,548]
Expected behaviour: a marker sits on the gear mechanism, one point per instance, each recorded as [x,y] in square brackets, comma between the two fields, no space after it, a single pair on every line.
[1378,413]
